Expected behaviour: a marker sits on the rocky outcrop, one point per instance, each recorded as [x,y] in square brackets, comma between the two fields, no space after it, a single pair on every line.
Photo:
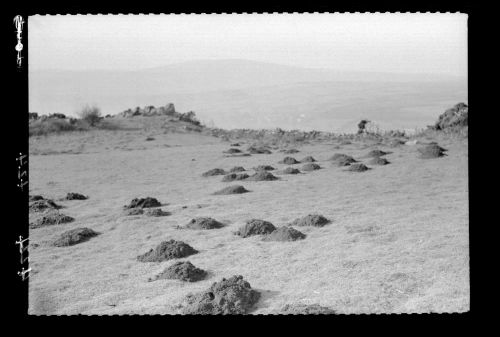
[457,116]
[150,110]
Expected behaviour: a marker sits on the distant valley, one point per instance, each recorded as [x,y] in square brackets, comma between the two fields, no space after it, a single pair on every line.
[247,94]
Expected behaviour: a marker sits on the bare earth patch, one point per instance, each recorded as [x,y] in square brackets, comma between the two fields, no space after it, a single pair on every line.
[289,161]
[379,161]
[167,250]
[431,151]
[49,219]
[233,296]
[308,159]
[76,196]
[290,170]
[285,233]
[213,172]
[357,167]
[234,176]
[156,212]
[184,271]
[310,167]
[262,176]
[41,205]
[204,223]
[237,169]
[143,203]
[235,189]
[255,227]
[264,168]
[315,220]
[74,236]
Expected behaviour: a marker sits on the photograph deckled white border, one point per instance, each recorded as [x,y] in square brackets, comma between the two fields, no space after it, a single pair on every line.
[260,164]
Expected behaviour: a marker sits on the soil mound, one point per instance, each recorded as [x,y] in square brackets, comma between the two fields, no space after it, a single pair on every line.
[42,205]
[310,167]
[76,196]
[233,296]
[214,172]
[264,168]
[204,223]
[235,189]
[184,271]
[157,212]
[233,150]
[291,151]
[51,218]
[134,211]
[396,142]
[376,153]
[304,309]
[289,161]
[258,150]
[290,170]
[431,151]
[315,220]
[74,236]
[234,176]
[337,157]
[344,162]
[167,250]
[379,161]
[238,155]
[308,159]
[358,167]
[143,203]
[262,176]
[35,198]
[285,233]
[235,144]
[255,227]
[237,169]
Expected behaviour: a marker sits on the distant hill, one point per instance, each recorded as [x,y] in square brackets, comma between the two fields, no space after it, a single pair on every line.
[240,93]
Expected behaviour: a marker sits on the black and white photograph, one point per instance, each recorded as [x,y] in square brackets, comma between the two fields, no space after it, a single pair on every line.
[247,164]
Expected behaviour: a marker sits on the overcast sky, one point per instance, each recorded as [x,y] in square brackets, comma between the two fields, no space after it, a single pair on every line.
[430,43]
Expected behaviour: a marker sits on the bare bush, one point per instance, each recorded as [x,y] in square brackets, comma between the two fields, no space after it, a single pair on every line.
[90,114]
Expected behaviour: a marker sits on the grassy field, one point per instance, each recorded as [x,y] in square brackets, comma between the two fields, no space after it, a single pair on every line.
[398,240]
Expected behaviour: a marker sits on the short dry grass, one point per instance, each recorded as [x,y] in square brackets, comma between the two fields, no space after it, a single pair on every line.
[398,241]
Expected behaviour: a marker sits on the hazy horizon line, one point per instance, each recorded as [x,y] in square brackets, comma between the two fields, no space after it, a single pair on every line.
[445,74]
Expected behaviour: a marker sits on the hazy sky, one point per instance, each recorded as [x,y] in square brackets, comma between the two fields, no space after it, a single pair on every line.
[431,43]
